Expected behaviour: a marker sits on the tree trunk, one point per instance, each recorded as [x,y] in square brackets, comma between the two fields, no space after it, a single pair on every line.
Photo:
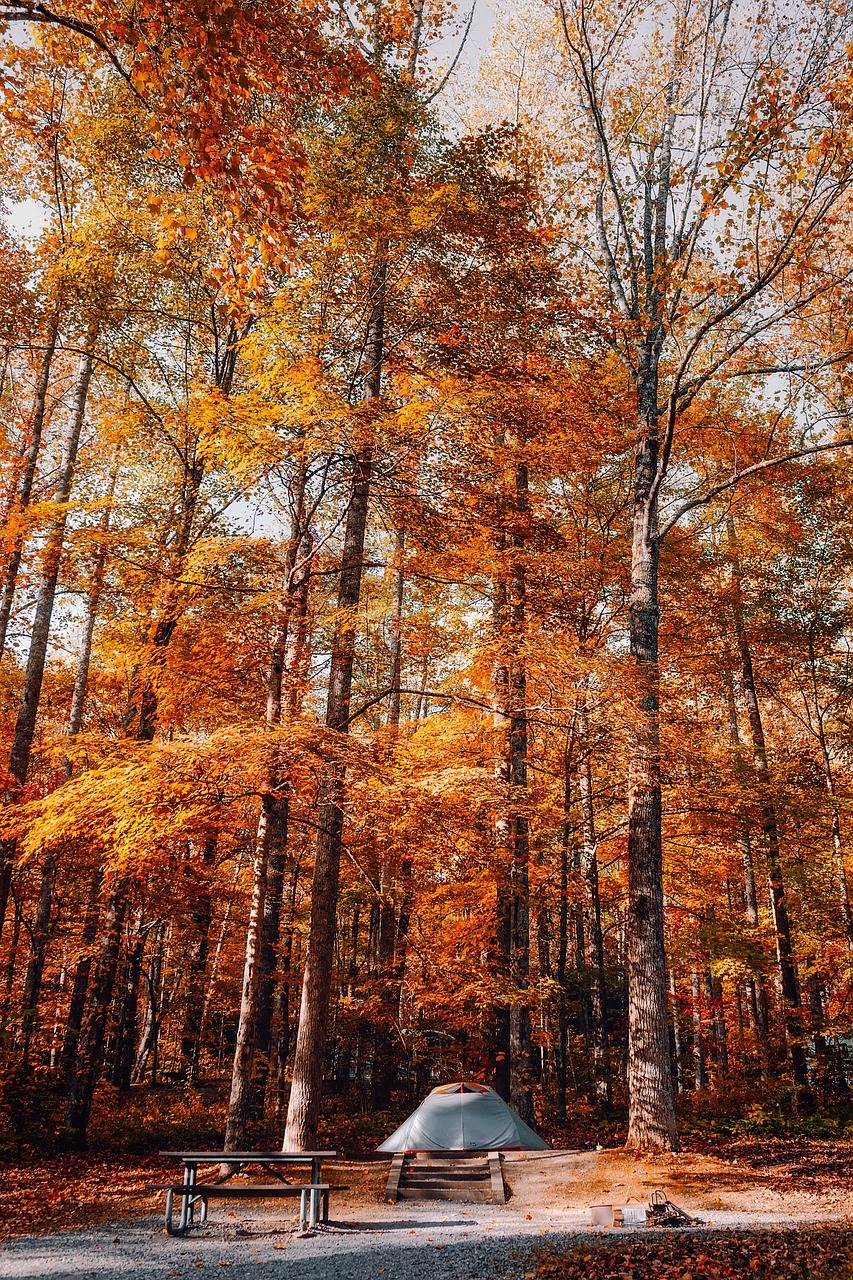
[835,820]
[41,923]
[676,1033]
[84,653]
[25,726]
[700,1074]
[597,990]
[254,1028]
[303,1114]
[27,480]
[77,1003]
[40,936]
[385,1041]
[89,1058]
[244,1049]
[125,1040]
[194,992]
[784,948]
[560,1056]
[651,1113]
[151,1026]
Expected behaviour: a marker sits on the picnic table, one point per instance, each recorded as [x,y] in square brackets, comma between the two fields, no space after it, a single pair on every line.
[193,1192]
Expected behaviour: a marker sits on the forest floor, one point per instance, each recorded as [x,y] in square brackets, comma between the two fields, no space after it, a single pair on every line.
[780,1204]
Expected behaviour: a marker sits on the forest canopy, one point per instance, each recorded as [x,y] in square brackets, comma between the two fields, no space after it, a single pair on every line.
[425,559]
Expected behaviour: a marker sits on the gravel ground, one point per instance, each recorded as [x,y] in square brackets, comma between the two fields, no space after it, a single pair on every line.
[422,1241]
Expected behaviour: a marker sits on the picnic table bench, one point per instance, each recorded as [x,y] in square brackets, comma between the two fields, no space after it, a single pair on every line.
[313,1195]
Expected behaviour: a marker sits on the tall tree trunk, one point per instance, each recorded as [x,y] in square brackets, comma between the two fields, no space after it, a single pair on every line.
[755,984]
[384,1038]
[89,1058]
[521,1049]
[25,726]
[835,819]
[303,1113]
[151,1025]
[125,1039]
[244,1049]
[24,496]
[202,915]
[502,1051]
[77,1003]
[254,1027]
[676,1033]
[781,922]
[560,1056]
[651,1113]
[700,1074]
[84,652]
[40,931]
[597,989]
[40,936]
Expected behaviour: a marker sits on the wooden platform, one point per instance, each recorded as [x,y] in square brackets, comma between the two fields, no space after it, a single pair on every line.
[469,1176]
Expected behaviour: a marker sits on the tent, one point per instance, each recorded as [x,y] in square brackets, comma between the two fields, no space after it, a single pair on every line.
[463,1117]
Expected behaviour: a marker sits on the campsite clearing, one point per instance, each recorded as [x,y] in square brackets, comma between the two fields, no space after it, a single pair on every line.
[785,1185]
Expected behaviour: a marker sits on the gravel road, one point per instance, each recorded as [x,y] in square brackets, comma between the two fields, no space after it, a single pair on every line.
[432,1241]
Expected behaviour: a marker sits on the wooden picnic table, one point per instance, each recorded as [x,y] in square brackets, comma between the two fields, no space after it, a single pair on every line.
[192,1191]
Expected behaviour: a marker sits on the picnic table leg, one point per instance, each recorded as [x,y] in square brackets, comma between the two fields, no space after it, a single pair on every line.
[302,1196]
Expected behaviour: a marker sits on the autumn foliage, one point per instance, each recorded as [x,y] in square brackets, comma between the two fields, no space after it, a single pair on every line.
[432,541]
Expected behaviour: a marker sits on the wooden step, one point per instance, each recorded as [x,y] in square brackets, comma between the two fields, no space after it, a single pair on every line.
[478,1195]
[451,1176]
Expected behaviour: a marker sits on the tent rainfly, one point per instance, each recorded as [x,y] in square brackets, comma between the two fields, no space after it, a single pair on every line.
[463,1117]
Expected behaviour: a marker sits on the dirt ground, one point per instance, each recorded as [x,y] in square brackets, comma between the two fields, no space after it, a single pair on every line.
[807,1182]
[749,1183]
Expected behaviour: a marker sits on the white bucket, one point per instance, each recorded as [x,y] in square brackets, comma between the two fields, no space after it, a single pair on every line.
[601,1215]
[631,1215]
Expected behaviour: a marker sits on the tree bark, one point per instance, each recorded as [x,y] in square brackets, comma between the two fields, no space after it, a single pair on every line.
[700,1076]
[781,922]
[303,1114]
[651,1114]
[27,480]
[77,1003]
[597,989]
[194,991]
[89,1058]
[676,1033]
[835,820]
[25,726]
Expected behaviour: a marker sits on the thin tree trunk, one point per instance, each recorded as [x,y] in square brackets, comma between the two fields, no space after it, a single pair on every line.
[597,990]
[25,726]
[40,936]
[151,1025]
[254,1027]
[27,480]
[41,922]
[676,1033]
[89,1059]
[784,947]
[700,1074]
[244,1049]
[521,1049]
[201,917]
[384,1040]
[835,820]
[125,1040]
[757,991]
[560,1057]
[77,1003]
[84,653]
[303,1113]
